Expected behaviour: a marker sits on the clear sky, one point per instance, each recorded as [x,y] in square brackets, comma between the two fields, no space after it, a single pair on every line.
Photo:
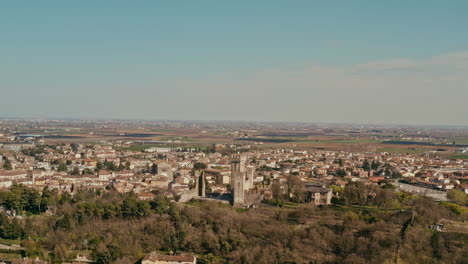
[320,61]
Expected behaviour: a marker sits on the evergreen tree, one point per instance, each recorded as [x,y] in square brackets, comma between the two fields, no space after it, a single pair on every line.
[366,165]
[75,171]
[7,164]
[62,167]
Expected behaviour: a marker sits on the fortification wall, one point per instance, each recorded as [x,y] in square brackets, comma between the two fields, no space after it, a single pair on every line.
[188,195]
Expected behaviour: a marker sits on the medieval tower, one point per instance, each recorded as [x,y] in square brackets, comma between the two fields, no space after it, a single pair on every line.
[241,181]
[237,179]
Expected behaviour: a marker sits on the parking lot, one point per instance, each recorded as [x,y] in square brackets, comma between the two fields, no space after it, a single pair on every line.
[436,195]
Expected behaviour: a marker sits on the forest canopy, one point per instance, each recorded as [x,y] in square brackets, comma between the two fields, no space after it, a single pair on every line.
[367,224]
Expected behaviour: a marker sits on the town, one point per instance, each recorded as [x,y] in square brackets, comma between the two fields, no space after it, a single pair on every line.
[237,173]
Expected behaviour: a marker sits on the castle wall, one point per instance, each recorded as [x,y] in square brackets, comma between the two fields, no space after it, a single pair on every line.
[249,175]
[188,195]
[251,197]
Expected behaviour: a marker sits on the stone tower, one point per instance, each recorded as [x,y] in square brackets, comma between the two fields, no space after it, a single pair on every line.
[249,174]
[238,187]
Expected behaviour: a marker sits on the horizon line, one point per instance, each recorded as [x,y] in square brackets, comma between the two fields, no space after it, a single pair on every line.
[232,120]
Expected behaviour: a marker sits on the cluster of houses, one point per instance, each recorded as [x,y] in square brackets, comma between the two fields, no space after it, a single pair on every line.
[185,174]
[70,167]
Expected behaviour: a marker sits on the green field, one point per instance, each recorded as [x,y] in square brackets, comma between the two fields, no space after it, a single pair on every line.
[402,150]
[340,141]
[458,140]
[459,156]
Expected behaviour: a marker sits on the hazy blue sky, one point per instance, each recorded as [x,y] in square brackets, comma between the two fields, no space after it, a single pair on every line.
[332,61]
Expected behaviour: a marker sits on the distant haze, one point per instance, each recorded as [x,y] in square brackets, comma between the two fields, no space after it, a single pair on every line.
[400,62]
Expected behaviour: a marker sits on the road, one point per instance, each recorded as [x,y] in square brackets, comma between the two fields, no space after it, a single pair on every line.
[8,247]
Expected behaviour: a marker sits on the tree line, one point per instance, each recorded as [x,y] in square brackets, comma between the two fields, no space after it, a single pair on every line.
[368,224]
